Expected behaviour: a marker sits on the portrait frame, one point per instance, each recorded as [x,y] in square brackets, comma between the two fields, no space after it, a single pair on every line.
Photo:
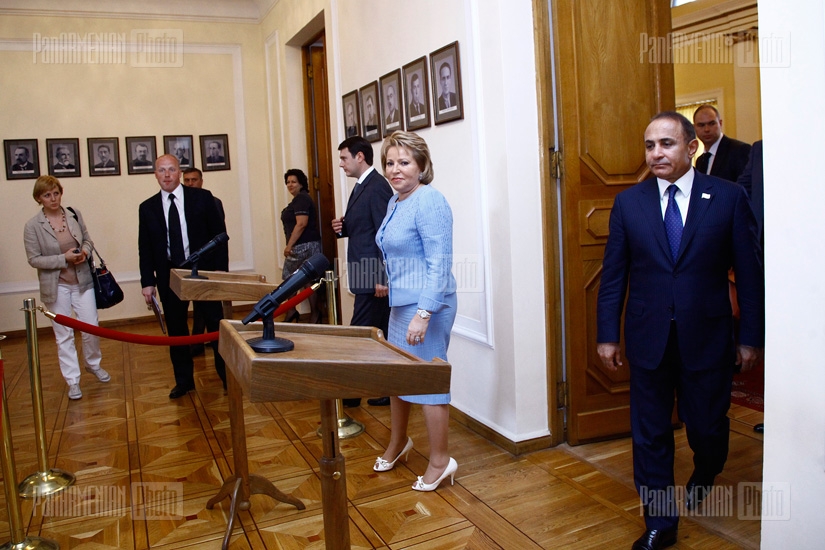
[172,143]
[391,82]
[417,117]
[350,100]
[212,165]
[30,145]
[372,132]
[73,146]
[134,163]
[455,111]
[99,167]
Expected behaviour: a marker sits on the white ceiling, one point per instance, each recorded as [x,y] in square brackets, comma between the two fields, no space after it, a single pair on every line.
[249,11]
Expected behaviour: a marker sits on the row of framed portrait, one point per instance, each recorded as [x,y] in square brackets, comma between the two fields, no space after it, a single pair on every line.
[63,155]
[378,109]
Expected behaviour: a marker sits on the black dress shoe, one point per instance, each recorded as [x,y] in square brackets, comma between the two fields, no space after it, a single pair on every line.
[379,402]
[759,428]
[695,494]
[348,403]
[180,391]
[653,539]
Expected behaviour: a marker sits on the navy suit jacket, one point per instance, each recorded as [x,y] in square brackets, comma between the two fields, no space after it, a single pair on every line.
[366,209]
[752,179]
[203,223]
[719,233]
[731,158]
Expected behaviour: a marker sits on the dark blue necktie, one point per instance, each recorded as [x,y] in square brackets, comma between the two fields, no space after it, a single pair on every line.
[176,254]
[673,222]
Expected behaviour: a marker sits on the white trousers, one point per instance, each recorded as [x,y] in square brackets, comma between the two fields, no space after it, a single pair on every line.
[70,297]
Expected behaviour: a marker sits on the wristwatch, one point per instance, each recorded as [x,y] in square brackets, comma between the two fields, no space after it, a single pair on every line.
[423,313]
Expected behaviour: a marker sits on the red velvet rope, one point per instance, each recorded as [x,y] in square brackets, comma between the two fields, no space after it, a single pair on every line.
[110,334]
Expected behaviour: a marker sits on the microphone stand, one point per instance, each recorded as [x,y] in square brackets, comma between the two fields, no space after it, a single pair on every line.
[194,275]
[268,342]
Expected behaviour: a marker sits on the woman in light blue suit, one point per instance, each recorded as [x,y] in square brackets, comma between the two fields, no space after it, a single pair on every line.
[416,240]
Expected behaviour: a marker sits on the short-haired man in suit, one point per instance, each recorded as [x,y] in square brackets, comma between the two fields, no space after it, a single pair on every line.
[417,108]
[392,119]
[63,159]
[215,156]
[366,209]
[174,223]
[103,153]
[447,98]
[724,157]
[141,157]
[21,160]
[192,177]
[672,239]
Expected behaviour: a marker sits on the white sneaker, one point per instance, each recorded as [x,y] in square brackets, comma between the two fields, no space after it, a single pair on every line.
[74,391]
[101,374]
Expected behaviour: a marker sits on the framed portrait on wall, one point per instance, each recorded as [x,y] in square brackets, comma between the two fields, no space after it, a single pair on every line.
[446,71]
[214,152]
[370,111]
[104,156]
[181,147]
[22,159]
[141,153]
[416,94]
[352,114]
[391,107]
[64,158]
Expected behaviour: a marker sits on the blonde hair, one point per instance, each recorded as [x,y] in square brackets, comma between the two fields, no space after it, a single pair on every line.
[416,145]
[44,184]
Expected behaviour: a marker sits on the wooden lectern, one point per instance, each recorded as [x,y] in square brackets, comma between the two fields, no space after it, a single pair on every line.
[328,362]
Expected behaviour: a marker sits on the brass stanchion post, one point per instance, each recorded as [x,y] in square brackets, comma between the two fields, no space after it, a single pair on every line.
[19,540]
[347,427]
[46,481]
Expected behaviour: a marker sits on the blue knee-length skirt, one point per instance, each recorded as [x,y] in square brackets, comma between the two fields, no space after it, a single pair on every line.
[436,341]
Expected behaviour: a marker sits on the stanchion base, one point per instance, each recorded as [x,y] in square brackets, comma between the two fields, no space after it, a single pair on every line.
[32,543]
[41,484]
[347,428]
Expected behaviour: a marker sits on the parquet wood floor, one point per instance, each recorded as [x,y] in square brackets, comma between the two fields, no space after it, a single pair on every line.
[127,435]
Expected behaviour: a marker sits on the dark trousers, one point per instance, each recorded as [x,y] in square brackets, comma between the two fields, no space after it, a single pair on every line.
[369,311]
[176,314]
[703,400]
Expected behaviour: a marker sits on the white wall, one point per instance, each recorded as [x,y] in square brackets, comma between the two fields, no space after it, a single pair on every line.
[486,165]
[793,116]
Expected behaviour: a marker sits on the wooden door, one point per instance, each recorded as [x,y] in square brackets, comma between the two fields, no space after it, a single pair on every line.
[319,141]
[609,85]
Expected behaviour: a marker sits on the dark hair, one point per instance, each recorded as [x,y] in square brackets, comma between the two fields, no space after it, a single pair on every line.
[190,170]
[705,106]
[688,131]
[302,178]
[441,68]
[414,78]
[357,144]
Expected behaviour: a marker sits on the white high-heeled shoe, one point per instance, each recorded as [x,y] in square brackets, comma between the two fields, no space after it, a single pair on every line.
[382,465]
[450,470]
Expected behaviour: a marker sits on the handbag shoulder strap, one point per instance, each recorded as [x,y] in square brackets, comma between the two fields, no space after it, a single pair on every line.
[91,259]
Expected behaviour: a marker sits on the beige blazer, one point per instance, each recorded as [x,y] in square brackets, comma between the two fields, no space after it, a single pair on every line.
[44,253]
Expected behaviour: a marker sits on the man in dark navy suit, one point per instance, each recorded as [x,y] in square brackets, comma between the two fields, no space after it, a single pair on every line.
[724,157]
[198,222]
[366,209]
[672,239]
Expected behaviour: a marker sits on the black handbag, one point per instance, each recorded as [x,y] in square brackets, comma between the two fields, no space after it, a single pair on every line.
[107,292]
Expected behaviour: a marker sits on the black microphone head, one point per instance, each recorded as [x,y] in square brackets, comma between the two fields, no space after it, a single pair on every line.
[221,238]
[315,267]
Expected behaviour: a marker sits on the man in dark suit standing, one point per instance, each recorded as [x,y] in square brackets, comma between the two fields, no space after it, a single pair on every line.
[447,98]
[170,230]
[672,239]
[724,157]
[366,209]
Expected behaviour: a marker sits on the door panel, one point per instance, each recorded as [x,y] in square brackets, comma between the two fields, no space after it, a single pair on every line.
[607,92]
